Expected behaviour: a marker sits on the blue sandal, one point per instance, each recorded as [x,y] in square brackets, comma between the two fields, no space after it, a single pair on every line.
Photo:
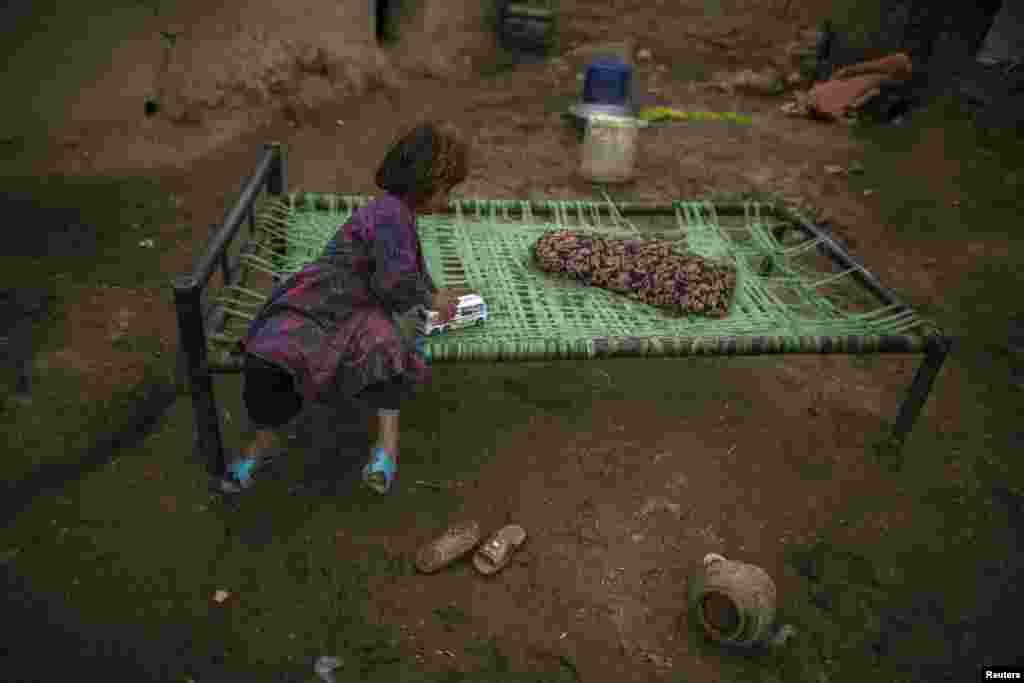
[242,472]
[380,472]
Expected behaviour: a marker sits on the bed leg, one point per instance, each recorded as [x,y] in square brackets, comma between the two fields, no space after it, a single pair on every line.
[277,185]
[920,388]
[192,338]
[277,180]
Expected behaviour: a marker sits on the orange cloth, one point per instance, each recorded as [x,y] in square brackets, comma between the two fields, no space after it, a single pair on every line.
[850,87]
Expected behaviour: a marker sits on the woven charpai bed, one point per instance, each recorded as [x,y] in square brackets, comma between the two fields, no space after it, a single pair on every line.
[534,315]
[796,289]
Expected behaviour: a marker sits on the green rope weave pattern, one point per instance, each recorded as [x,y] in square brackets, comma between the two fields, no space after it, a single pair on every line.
[485,245]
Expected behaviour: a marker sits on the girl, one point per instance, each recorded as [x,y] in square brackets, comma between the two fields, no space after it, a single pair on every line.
[329,333]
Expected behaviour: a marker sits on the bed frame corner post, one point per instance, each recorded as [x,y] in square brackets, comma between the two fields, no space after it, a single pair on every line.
[277,181]
[192,340]
[936,350]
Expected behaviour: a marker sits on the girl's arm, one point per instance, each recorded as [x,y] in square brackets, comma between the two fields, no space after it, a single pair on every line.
[397,280]
[331,249]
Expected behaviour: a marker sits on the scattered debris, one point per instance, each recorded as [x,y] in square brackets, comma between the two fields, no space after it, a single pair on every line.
[437,486]
[170,37]
[219,596]
[658,457]
[657,504]
[832,169]
[622,49]
[798,107]
[152,473]
[766,82]
[783,635]
[677,482]
[644,55]
[662,114]
[822,599]
[120,324]
[808,568]
[658,660]
[326,666]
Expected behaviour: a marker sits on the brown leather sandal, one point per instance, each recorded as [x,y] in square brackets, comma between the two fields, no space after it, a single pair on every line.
[456,542]
[496,552]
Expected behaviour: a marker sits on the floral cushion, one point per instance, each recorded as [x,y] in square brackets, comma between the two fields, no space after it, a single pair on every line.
[649,270]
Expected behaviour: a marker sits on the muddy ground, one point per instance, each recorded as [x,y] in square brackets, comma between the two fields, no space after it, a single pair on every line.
[624,473]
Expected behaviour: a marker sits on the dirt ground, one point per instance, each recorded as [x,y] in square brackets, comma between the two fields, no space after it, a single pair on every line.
[335,143]
[620,514]
[622,504]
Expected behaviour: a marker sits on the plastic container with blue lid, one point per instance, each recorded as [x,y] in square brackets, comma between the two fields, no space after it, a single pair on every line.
[608,81]
[608,154]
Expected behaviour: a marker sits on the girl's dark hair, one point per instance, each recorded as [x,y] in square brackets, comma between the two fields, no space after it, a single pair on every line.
[431,156]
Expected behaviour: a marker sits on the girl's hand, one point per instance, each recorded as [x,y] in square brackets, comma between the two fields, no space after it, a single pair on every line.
[445,302]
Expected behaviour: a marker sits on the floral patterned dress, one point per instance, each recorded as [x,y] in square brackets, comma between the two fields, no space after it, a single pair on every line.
[333,325]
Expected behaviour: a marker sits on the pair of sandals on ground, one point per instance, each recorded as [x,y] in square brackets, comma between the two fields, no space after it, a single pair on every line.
[460,539]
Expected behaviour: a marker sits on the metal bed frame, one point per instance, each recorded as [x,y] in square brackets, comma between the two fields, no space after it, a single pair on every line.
[198,317]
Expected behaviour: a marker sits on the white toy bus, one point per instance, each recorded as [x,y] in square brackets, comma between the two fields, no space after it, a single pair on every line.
[471,311]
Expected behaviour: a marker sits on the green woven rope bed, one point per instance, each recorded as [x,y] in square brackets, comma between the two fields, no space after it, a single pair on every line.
[799,306]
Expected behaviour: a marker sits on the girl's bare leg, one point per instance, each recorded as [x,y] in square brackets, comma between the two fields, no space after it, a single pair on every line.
[387,435]
[263,439]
